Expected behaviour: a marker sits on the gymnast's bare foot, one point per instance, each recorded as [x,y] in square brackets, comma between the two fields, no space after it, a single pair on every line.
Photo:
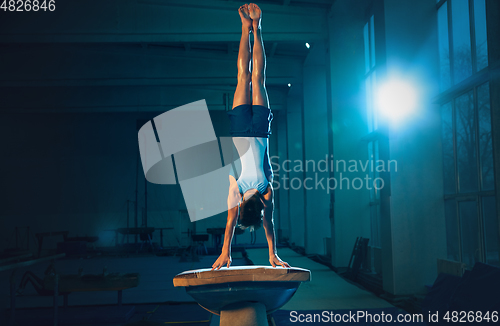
[246,21]
[255,14]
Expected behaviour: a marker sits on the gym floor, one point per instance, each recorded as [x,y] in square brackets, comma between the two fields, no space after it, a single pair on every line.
[155,301]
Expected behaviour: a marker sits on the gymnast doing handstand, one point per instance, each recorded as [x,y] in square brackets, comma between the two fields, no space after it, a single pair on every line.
[250,199]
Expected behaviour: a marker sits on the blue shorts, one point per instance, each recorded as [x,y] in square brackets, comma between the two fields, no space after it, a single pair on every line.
[249,120]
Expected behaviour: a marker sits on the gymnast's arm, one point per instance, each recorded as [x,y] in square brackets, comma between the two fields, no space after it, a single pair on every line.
[233,199]
[268,223]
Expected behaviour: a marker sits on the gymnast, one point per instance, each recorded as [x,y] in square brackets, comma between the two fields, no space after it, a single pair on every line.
[250,199]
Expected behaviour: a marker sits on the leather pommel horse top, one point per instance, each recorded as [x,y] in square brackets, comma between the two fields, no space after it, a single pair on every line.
[242,274]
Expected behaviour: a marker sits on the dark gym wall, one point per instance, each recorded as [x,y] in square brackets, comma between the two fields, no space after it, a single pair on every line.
[75,171]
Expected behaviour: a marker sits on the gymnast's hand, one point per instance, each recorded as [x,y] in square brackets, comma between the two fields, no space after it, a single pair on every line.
[275,260]
[224,259]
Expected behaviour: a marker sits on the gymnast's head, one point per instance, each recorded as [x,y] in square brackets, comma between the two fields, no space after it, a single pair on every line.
[251,211]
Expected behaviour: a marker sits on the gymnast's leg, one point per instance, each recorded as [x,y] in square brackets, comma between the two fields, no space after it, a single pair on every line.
[242,93]
[259,93]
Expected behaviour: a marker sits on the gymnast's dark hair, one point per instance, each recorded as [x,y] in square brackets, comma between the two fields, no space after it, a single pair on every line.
[251,213]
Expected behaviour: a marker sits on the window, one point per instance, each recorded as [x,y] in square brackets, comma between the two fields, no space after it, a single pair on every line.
[465,123]
[460,40]
[481,44]
[485,140]
[490,230]
[444,47]
[448,148]
[471,223]
[372,143]
[468,176]
[469,232]
[374,194]
[463,48]
[370,77]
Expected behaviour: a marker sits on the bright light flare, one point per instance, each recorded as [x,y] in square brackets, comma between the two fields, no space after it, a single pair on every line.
[396,99]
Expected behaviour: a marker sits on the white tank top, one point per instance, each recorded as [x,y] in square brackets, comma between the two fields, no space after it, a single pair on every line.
[256,171]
